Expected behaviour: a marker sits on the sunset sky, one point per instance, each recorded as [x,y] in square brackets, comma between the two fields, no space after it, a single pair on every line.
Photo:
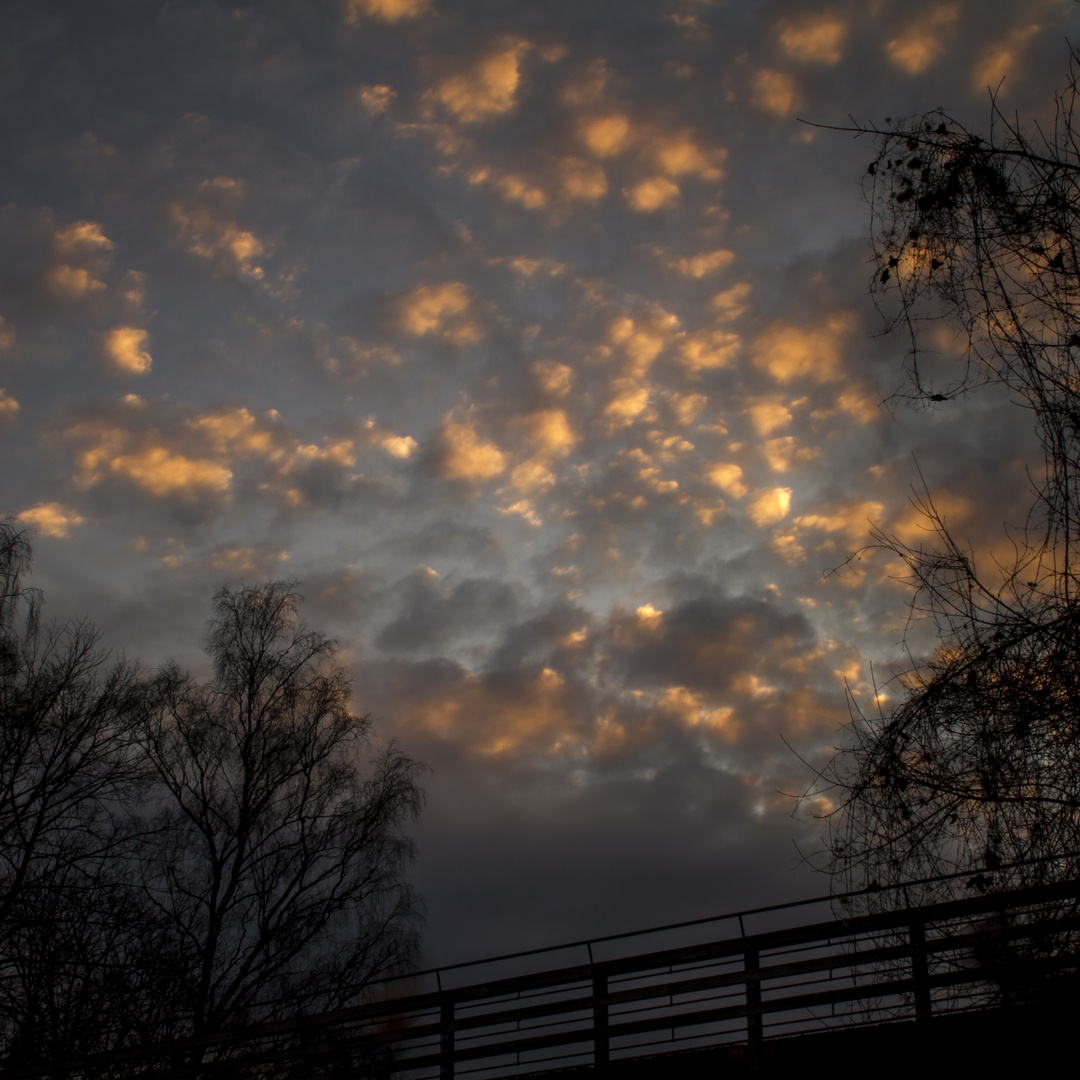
[534,338]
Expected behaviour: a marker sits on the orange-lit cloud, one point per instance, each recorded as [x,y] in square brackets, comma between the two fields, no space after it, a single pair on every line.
[582,181]
[914,50]
[708,349]
[386,10]
[769,414]
[605,135]
[126,348]
[1002,59]
[775,92]
[208,224]
[791,352]
[653,194]
[729,478]
[50,519]
[486,89]
[679,155]
[817,39]
[642,338]
[851,520]
[555,378]
[157,469]
[376,99]
[630,399]
[73,282]
[9,408]
[770,507]
[445,311]
[79,238]
[731,303]
[467,456]
[694,711]
[551,437]
[702,264]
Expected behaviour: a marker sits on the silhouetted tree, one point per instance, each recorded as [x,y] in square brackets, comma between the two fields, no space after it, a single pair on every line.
[978,765]
[276,859]
[68,760]
[178,858]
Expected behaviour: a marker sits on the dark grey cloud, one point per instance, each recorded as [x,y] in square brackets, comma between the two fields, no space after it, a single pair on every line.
[534,340]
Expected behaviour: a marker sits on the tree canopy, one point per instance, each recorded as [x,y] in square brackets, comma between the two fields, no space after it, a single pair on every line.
[977,768]
[180,858]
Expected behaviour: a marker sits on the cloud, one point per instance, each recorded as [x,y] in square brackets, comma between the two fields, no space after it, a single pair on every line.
[770,507]
[9,409]
[386,10]
[731,303]
[1002,59]
[464,455]
[376,99]
[914,50]
[157,469]
[728,477]
[816,39]
[79,238]
[50,519]
[775,92]
[653,194]
[73,282]
[551,437]
[708,349]
[850,520]
[126,349]
[207,459]
[768,414]
[790,352]
[679,155]
[486,89]
[208,223]
[581,181]
[606,135]
[702,264]
[7,334]
[446,311]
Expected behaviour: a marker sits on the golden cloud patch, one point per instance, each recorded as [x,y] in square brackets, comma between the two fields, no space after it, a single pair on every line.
[208,225]
[790,352]
[444,311]
[923,42]
[386,10]
[816,40]
[50,519]
[126,348]
[467,456]
[488,88]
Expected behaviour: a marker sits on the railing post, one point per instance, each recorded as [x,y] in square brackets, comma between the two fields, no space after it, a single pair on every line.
[446,1039]
[920,972]
[601,1052]
[755,1032]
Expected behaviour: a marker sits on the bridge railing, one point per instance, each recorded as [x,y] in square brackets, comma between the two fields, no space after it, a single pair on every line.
[742,990]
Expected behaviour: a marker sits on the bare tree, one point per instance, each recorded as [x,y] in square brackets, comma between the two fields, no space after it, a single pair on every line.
[978,766]
[68,762]
[277,857]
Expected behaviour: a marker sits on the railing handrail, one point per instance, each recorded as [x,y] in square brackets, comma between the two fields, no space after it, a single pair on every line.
[507,1000]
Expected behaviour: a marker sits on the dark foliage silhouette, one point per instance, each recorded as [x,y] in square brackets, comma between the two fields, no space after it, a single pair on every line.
[177,858]
[978,766]
[276,858]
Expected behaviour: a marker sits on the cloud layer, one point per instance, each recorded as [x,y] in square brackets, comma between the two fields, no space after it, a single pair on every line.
[534,339]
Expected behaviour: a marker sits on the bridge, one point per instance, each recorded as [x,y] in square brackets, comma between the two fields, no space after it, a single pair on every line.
[753,991]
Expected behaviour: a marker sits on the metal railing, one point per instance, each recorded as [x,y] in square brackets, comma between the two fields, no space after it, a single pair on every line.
[743,989]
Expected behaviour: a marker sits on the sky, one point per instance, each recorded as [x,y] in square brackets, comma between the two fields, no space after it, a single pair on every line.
[535,341]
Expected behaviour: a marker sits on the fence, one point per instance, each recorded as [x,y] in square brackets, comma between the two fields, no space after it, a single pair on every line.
[742,989]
